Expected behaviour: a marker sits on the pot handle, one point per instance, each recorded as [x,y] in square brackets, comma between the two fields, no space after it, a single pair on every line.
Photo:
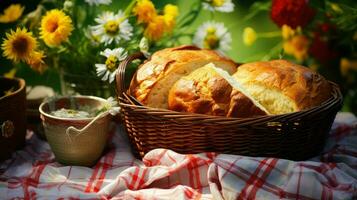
[74,132]
[120,75]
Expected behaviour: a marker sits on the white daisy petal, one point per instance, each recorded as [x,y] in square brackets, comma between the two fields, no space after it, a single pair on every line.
[111,77]
[114,111]
[112,28]
[98,2]
[107,72]
[224,6]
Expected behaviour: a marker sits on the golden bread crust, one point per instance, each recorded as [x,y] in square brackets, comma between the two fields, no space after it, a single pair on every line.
[304,87]
[164,62]
[206,92]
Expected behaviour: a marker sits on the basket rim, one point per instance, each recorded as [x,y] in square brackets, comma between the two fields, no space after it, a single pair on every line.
[335,99]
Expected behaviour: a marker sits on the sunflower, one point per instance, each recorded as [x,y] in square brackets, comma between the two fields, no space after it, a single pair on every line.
[12,13]
[19,45]
[36,61]
[56,27]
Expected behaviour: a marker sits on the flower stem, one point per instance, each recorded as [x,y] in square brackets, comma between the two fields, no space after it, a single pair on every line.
[269,34]
[273,51]
[129,8]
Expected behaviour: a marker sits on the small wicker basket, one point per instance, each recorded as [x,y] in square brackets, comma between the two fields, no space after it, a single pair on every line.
[295,136]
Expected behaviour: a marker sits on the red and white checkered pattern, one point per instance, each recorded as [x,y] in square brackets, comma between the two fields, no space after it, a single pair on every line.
[32,173]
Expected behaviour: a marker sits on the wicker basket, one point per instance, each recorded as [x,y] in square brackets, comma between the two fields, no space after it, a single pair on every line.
[295,136]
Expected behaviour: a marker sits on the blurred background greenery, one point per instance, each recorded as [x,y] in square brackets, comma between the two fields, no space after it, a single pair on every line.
[234,21]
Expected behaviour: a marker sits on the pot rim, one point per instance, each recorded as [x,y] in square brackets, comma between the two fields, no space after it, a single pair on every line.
[22,84]
[43,113]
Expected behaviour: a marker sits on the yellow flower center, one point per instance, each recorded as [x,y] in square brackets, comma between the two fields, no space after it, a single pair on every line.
[211,40]
[111,63]
[111,27]
[217,3]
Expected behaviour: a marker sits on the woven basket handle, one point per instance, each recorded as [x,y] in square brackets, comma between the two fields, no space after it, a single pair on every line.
[120,76]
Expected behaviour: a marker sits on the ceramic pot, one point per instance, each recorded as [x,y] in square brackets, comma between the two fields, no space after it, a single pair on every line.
[75,141]
[12,115]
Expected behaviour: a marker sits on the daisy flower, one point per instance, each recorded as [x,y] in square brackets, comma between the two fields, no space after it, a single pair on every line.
[12,13]
[112,27]
[218,5]
[19,45]
[98,2]
[109,69]
[213,35]
[56,27]
[112,106]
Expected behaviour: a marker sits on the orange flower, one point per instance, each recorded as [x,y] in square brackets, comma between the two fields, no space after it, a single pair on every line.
[56,27]
[36,61]
[12,13]
[297,46]
[170,14]
[156,28]
[145,11]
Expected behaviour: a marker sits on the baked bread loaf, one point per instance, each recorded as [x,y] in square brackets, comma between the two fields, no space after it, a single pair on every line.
[282,87]
[206,91]
[153,80]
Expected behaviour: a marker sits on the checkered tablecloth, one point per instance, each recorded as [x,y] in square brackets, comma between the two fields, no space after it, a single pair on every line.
[32,173]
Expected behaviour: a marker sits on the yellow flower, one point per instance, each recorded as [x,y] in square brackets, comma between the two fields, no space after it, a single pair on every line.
[155,29]
[36,61]
[145,11]
[249,36]
[287,32]
[170,14]
[11,73]
[12,13]
[19,45]
[56,27]
[347,65]
[297,46]
[172,10]
[335,7]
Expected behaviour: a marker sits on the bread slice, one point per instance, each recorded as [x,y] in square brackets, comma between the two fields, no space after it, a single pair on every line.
[211,90]
[239,87]
[283,87]
[153,80]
